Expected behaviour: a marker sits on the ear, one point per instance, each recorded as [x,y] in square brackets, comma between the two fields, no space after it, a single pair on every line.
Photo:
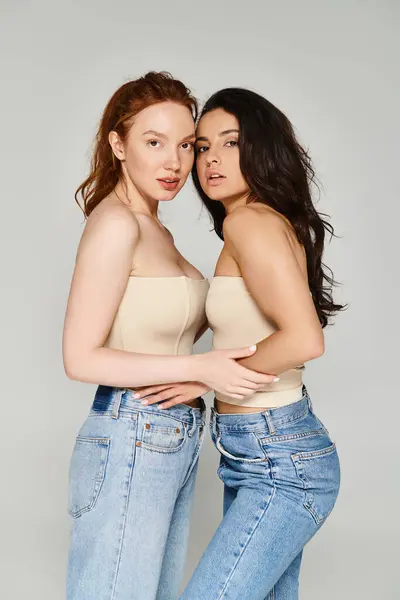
[116,145]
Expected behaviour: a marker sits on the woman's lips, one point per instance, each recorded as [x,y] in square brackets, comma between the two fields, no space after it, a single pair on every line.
[169,184]
[214,181]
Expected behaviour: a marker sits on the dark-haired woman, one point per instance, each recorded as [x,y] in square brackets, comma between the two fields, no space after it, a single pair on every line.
[279,466]
[135,308]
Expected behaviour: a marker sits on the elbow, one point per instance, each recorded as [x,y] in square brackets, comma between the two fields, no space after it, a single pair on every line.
[74,367]
[71,370]
[314,348]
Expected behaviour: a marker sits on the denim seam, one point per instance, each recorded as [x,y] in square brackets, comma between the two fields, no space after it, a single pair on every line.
[117,403]
[297,417]
[108,414]
[266,440]
[308,495]
[161,450]
[105,442]
[220,469]
[250,429]
[247,543]
[162,429]
[125,511]
[161,413]
[271,594]
[277,423]
[93,440]
[315,453]
[123,413]
[195,458]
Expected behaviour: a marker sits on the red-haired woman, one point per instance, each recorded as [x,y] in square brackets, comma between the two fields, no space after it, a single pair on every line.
[136,307]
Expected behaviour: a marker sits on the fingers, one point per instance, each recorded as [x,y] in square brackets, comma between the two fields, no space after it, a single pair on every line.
[263,378]
[271,378]
[241,352]
[153,389]
[258,378]
[173,402]
[240,397]
[240,393]
[160,397]
[242,389]
[251,386]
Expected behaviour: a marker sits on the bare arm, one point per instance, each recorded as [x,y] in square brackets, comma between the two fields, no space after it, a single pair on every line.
[102,269]
[261,245]
[103,264]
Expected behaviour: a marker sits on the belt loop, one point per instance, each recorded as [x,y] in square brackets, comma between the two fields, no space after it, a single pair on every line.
[270,423]
[203,412]
[213,421]
[310,407]
[193,427]
[117,402]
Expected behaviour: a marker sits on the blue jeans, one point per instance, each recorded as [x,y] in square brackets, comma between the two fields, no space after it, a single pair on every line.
[281,478]
[131,486]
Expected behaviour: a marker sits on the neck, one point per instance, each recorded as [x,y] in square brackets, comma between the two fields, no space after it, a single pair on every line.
[129,195]
[234,202]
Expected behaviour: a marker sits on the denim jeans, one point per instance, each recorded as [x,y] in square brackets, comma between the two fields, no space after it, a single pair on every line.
[281,478]
[132,477]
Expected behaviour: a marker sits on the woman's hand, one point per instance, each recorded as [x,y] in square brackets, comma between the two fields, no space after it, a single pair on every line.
[171,394]
[220,371]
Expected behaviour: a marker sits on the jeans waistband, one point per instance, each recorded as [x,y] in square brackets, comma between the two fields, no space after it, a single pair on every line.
[273,418]
[116,401]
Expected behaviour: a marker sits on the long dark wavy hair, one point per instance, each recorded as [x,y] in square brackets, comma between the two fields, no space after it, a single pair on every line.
[279,173]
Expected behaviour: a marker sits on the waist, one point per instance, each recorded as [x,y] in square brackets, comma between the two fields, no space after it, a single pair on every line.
[280,415]
[196,403]
[260,400]
[115,400]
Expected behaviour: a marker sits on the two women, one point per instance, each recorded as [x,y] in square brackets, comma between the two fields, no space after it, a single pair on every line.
[278,464]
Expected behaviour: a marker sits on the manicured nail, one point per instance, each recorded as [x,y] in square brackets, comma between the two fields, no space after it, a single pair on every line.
[276,379]
[136,396]
[252,348]
[144,402]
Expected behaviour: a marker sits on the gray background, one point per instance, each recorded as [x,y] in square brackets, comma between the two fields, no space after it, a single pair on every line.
[333,68]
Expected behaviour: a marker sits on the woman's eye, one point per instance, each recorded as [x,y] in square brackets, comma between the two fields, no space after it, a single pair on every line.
[187,146]
[153,143]
[231,143]
[201,149]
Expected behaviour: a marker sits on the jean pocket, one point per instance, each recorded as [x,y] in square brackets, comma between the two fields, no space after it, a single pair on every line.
[319,472]
[164,434]
[87,473]
[241,447]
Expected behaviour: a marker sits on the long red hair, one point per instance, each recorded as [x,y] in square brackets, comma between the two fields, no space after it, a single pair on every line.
[123,106]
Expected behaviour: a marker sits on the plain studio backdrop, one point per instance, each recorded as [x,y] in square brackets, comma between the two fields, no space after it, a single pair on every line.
[332,67]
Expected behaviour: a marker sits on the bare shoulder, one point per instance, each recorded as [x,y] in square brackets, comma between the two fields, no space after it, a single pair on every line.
[255,218]
[112,221]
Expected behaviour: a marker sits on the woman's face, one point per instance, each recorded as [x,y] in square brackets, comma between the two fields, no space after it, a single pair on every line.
[158,152]
[217,161]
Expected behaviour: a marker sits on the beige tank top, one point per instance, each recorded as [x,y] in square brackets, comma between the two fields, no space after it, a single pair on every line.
[237,321]
[159,315]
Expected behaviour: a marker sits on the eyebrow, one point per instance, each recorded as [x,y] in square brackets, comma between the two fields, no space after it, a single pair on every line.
[191,136]
[222,133]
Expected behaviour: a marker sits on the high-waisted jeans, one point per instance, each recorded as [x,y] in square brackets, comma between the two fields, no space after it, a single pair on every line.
[281,477]
[132,479]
